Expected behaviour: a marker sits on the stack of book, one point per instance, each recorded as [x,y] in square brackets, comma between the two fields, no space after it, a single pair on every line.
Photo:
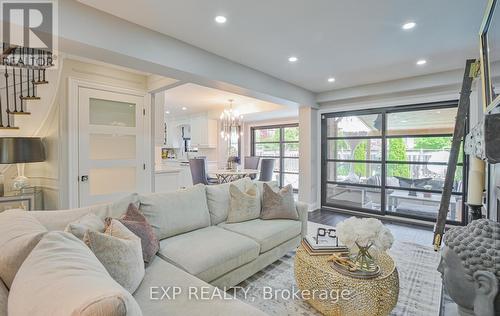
[322,246]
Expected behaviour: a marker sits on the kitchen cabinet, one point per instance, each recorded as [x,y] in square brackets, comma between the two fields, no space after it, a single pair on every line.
[166,181]
[173,135]
[203,132]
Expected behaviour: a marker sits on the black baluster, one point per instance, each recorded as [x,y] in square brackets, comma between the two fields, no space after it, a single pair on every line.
[1,112]
[7,96]
[21,88]
[33,82]
[28,82]
[15,98]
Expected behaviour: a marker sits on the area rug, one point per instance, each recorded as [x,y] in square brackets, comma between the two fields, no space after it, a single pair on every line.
[419,294]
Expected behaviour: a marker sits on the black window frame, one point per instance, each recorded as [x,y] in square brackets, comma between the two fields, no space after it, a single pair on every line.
[384,111]
[282,142]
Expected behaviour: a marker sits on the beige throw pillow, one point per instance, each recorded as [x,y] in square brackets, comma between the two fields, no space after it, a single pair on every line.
[19,234]
[120,252]
[278,205]
[62,277]
[4,293]
[83,224]
[244,205]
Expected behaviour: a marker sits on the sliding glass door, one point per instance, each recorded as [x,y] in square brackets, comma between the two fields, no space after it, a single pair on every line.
[391,161]
[279,142]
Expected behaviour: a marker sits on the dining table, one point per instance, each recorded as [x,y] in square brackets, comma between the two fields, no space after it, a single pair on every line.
[230,175]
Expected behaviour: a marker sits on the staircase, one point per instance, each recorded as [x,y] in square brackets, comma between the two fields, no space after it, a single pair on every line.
[24,71]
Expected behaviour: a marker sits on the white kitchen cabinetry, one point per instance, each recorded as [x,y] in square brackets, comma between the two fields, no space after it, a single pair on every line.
[166,181]
[203,132]
[173,135]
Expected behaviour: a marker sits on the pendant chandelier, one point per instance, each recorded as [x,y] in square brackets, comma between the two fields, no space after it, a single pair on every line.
[230,123]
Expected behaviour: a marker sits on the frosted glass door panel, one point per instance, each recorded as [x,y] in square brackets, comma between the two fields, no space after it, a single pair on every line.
[111,113]
[104,181]
[110,147]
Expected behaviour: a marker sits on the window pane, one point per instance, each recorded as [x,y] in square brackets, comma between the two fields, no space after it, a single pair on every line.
[292,179]
[271,150]
[429,177]
[267,135]
[421,204]
[354,172]
[438,121]
[111,113]
[349,196]
[291,134]
[291,165]
[355,149]
[291,149]
[357,125]
[421,149]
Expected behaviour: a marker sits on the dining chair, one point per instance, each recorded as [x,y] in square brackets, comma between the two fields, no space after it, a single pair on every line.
[266,169]
[252,162]
[199,172]
[211,180]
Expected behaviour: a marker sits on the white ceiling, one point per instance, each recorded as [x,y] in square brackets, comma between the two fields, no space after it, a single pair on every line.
[356,41]
[199,99]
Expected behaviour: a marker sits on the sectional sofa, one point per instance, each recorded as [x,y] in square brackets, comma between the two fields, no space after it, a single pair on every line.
[197,248]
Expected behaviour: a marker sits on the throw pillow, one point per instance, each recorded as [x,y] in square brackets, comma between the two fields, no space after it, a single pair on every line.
[62,277]
[278,205]
[244,205]
[19,234]
[4,294]
[120,252]
[83,224]
[139,225]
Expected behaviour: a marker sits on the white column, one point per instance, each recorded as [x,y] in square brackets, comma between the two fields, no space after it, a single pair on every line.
[309,160]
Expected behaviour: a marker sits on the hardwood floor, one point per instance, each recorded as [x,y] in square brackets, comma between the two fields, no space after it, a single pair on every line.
[402,232]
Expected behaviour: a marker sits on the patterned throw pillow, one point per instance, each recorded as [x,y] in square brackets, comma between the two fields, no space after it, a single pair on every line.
[139,225]
[245,206]
[119,251]
[278,205]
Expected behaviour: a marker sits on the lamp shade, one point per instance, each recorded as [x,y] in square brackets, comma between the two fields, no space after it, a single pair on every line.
[21,150]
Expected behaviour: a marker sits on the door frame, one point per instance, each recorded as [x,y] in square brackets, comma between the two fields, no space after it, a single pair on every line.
[74,84]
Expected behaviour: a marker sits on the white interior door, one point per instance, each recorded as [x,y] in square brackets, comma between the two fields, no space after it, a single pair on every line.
[111,145]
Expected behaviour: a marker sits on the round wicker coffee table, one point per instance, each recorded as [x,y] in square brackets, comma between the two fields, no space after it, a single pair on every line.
[347,295]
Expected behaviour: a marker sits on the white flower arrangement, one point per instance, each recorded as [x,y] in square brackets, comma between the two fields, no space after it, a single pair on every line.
[364,231]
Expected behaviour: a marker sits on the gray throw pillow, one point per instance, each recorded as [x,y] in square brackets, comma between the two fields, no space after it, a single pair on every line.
[245,205]
[278,205]
[87,222]
[120,252]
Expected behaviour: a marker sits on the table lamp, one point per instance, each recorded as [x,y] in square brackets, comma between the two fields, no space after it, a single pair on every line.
[21,150]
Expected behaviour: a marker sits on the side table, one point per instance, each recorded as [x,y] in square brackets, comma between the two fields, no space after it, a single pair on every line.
[28,199]
[374,297]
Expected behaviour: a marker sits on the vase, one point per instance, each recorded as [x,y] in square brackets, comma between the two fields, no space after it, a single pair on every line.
[363,258]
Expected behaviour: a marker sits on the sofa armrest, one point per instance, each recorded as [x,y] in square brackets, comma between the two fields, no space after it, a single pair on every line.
[303,210]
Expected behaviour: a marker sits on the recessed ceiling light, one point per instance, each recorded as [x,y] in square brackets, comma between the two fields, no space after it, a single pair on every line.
[220,19]
[421,62]
[184,108]
[409,25]
[292,59]
[331,79]
[167,112]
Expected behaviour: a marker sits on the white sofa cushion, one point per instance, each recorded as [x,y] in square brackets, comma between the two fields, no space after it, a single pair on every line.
[19,234]
[209,252]
[219,199]
[268,233]
[58,220]
[4,294]
[245,204]
[163,274]
[62,277]
[177,212]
